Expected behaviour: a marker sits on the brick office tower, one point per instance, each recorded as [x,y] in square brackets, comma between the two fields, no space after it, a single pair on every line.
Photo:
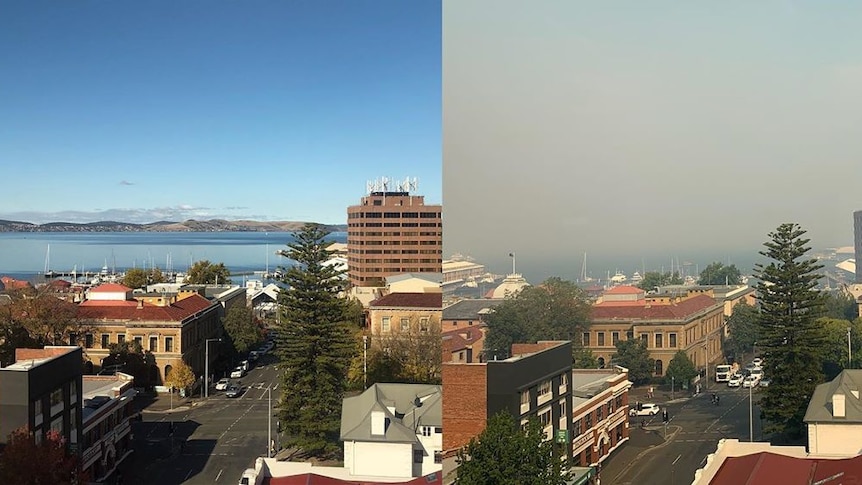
[393,232]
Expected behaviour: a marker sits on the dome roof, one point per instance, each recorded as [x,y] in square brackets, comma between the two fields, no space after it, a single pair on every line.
[511,286]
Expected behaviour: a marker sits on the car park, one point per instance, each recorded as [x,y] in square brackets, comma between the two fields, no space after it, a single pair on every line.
[222,384]
[645,409]
[237,373]
[233,391]
[735,380]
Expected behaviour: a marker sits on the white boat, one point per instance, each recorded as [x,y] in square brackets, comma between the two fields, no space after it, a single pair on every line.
[618,277]
[636,278]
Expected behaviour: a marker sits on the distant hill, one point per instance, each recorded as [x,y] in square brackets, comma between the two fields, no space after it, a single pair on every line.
[191,225]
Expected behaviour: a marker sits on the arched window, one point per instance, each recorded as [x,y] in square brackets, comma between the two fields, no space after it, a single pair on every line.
[658,367]
[601,362]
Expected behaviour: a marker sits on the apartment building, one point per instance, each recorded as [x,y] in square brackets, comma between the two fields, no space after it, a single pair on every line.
[393,231]
[107,411]
[405,312]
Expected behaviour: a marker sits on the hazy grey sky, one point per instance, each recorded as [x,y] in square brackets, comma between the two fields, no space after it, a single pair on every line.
[631,128]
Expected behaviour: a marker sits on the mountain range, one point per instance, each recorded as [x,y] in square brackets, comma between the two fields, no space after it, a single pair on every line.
[191,225]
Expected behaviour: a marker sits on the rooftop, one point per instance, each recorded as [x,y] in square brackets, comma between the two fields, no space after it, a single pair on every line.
[406,407]
[470,309]
[26,359]
[820,406]
[674,311]
[410,300]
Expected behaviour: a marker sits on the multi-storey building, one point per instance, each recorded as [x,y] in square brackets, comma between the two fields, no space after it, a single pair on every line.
[406,312]
[586,411]
[693,323]
[392,232]
[42,391]
[107,411]
[172,326]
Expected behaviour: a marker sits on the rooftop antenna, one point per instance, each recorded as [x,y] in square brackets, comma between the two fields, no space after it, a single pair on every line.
[512,255]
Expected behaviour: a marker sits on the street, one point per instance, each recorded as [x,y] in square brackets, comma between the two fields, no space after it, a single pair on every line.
[213,441]
[693,431]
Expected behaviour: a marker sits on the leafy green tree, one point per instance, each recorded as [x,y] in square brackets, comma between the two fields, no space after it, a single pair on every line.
[315,345]
[129,357]
[36,318]
[634,356]
[742,329]
[790,339]
[241,328]
[139,278]
[583,358]
[680,368]
[207,273]
[555,310]
[413,355]
[719,274]
[653,279]
[840,305]
[504,454]
[181,376]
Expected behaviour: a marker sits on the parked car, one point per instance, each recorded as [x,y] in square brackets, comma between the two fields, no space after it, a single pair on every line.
[645,409]
[757,373]
[757,361]
[765,382]
[237,373]
[735,380]
[253,355]
[222,384]
[246,365]
[233,391]
[750,381]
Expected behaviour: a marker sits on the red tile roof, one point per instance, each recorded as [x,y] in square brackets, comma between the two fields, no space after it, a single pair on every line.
[122,310]
[13,284]
[767,467]
[110,288]
[313,479]
[624,290]
[677,311]
[411,300]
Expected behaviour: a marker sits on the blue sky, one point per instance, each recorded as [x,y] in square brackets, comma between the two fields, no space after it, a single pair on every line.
[278,110]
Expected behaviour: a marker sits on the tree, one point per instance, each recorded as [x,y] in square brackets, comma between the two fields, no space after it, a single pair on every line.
[680,368]
[719,274]
[634,356]
[653,279]
[181,376]
[36,318]
[790,339]
[139,278]
[26,463]
[315,345]
[555,310]
[129,357]
[412,355]
[206,273]
[503,454]
[840,305]
[742,329]
[241,328]
[583,358]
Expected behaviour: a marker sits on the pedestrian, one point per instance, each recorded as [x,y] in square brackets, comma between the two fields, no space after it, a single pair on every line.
[650,392]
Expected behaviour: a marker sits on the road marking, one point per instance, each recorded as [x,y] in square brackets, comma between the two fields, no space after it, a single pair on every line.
[276,387]
[188,475]
[234,423]
[219,474]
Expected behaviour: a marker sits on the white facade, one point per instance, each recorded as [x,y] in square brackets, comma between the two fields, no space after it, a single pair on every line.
[838,439]
[379,459]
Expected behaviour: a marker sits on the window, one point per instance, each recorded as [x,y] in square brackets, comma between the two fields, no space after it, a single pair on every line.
[672,339]
[576,427]
[601,337]
[438,457]
[599,413]
[544,388]
[427,430]
[423,324]
[586,339]
[417,456]
[525,398]
[615,337]
[386,324]
[588,421]
[405,324]
[140,341]
[73,339]
[56,396]
[121,338]
[659,340]
[169,344]
[106,340]
[645,338]
[562,408]
[564,380]
[88,341]
[154,344]
[545,418]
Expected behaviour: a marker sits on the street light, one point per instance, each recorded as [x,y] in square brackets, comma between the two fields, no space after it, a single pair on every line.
[269,445]
[672,378]
[207,365]
[849,351]
[706,362]
[365,361]
[750,414]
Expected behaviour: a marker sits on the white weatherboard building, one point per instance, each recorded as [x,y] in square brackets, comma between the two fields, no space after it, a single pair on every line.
[834,416]
[393,430]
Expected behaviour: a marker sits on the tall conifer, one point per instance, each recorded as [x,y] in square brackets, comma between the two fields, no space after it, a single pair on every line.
[789,338]
[315,345]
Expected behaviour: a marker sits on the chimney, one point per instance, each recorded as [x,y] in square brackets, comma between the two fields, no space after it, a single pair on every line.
[378,423]
[838,406]
[855,393]
[140,304]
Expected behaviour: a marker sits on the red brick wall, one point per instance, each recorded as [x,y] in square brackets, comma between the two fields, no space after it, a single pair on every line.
[465,409]
[28,354]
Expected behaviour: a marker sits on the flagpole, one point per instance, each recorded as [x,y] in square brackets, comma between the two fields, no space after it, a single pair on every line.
[512,255]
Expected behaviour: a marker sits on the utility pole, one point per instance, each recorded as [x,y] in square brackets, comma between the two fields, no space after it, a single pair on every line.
[849,351]
[269,424]
[750,415]
[365,361]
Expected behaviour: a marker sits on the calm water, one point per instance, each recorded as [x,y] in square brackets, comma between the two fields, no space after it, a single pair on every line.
[27,254]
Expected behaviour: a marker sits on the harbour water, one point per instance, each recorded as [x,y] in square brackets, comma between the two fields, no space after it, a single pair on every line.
[28,255]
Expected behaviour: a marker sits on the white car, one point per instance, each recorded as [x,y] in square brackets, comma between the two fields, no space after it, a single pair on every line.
[757,361]
[750,381]
[645,409]
[222,384]
[237,373]
[735,380]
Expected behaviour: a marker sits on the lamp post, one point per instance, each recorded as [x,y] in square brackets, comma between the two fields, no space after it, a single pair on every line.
[365,361]
[207,365]
[750,414]
[849,351]
[269,425]
[706,362]
[672,378]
